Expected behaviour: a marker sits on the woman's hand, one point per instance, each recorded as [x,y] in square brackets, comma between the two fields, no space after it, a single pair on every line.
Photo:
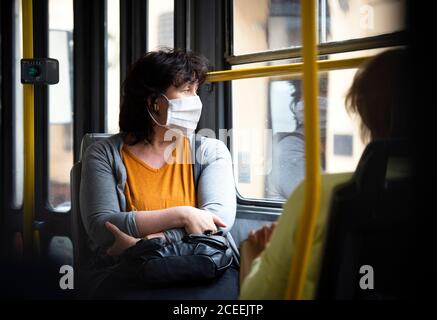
[122,241]
[199,221]
[259,239]
[252,247]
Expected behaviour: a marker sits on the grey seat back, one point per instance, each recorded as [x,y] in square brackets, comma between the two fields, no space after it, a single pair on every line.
[81,250]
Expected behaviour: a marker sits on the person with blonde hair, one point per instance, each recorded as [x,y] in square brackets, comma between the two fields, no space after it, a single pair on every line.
[378,95]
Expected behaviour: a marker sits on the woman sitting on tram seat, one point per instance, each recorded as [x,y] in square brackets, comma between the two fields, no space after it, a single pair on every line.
[378,95]
[139,183]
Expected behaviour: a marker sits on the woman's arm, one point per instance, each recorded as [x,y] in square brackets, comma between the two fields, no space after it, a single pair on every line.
[291,161]
[193,220]
[251,248]
[98,197]
[216,185]
[268,274]
[99,204]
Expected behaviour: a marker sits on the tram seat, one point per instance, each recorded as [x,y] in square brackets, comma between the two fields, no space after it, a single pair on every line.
[371,223]
[79,236]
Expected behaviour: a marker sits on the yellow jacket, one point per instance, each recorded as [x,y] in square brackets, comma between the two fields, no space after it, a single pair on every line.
[268,276]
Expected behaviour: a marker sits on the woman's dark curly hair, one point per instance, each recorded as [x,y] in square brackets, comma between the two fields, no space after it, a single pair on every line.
[148,78]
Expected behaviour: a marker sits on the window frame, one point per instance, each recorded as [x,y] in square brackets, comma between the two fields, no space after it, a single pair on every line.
[107,107]
[88,76]
[387,40]
[42,115]
[10,216]
[375,42]
[133,32]
[325,48]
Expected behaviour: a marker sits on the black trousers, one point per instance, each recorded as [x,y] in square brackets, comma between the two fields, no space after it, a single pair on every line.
[226,287]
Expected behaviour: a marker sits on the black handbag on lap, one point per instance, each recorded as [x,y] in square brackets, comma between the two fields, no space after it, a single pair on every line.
[196,258]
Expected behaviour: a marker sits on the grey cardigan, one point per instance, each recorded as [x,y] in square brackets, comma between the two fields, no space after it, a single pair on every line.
[103,182]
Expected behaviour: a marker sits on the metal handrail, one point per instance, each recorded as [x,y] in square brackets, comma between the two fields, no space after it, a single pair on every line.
[286,69]
[29,138]
[306,226]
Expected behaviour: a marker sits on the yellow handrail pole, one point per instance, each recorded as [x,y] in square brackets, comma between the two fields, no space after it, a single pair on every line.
[286,69]
[305,232]
[29,140]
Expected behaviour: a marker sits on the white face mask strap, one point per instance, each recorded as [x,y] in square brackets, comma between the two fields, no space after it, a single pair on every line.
[178,132]
[153,118]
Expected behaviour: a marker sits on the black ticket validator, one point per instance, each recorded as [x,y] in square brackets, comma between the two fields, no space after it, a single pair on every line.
[39,71]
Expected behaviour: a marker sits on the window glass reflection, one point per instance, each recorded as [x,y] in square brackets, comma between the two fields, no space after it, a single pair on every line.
[61,104]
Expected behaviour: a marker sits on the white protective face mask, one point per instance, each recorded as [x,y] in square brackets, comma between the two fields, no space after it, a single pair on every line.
[183,114]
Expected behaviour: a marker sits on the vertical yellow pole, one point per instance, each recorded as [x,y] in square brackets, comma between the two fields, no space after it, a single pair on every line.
[305,232]
[29,140]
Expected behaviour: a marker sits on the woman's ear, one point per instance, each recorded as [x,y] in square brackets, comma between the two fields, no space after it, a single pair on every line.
[153,105]
[149,103]
[161,104]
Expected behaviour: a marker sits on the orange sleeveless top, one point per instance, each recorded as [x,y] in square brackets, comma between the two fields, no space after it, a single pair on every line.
[172,185]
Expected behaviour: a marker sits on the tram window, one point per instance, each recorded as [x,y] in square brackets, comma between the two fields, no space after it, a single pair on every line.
[160,34]
[267,132]
[113,64]
[61,104]
[351,19]
[271,24]
[18,144]
[160,24]
[275,24]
